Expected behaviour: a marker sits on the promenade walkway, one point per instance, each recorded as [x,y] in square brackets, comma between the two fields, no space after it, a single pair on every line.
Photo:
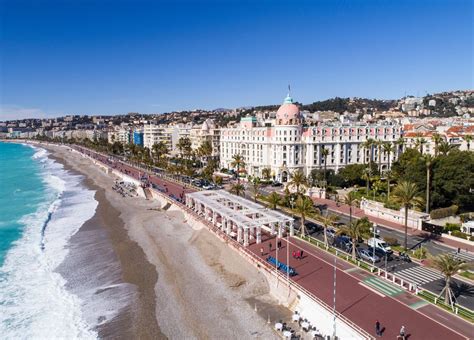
[363,298]
[359,213]
[360,297]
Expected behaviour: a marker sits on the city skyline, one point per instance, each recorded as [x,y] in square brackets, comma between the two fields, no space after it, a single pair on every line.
[60,58]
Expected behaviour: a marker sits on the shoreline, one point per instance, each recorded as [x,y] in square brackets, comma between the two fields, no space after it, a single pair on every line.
[185,279]
[106,233]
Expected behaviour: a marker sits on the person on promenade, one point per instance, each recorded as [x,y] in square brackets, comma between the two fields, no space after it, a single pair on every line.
[377,328]
[301,254]
[294,254]
[298,254]
[402,333]
[261,251]
[270,247]
[279,244]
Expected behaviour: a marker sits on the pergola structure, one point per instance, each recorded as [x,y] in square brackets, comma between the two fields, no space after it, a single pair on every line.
[238,217]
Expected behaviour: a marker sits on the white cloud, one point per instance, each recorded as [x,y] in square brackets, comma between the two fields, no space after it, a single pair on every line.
[11,112]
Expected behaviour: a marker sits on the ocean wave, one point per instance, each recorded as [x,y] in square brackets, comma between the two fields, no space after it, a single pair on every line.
[33,296]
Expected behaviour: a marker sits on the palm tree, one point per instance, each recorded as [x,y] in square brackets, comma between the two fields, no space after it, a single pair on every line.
[350,200]
[468,139]
[266,173]
[400,143]
[437,139]
[325,154]
[388,149]
[304,207]
[379,145]
[388,176]
[159,150]
[238,162]
[298,180]
[406,193]
[428,162]
[184,147]
[274,199]
[205,150]
[444,148]
[357,229]
[448,265]
[237,189]
[420,141]
[367,176]
[370,142]
[328,221]
[256,185]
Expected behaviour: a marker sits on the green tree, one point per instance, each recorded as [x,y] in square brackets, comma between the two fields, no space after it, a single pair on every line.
[388,149]
[429,163]
[352,174]
[159,151]
[355,230]
[237,189]
[406,194]
[184,147]
[239,163]
[304,207]
[453,181]
[448,265]
[325,154]
[256,185]
[437,139]
[351,200]
[274,199]
[445,148]
[266,173]
[205,150]
[298,180]
[327,221]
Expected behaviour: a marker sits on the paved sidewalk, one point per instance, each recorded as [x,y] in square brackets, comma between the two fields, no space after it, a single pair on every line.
[363,298]
[359,213]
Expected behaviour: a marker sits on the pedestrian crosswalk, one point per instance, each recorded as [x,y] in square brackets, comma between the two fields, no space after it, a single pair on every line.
[419,275]
[383,286]
[465,256]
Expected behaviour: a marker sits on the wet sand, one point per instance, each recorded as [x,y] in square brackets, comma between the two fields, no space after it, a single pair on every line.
[178,282]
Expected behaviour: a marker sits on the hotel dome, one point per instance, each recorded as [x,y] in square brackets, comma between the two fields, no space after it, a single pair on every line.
[288,113]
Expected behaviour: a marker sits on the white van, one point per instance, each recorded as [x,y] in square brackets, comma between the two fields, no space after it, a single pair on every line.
[378,243]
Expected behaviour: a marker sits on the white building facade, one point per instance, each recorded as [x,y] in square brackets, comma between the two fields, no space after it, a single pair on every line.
[287,146]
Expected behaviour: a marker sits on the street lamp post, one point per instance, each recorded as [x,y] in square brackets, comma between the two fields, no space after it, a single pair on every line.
[334,299]
[373,245]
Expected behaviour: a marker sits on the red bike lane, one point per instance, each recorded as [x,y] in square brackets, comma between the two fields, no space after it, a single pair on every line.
[358,303]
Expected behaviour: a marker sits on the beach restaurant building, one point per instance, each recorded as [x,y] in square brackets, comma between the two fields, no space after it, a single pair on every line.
[238,217]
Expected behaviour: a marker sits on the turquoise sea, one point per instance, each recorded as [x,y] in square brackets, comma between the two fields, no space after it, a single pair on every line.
[41,207]
[21,192]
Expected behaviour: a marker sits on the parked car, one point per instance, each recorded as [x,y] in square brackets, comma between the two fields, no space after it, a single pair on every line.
[343,242]
[330,232]
[368,256]
[276,184]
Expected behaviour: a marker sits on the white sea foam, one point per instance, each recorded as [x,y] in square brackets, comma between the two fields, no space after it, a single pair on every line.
[34,301]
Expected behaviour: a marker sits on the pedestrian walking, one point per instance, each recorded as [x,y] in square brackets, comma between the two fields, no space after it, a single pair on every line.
[301,254]
[261,251]
[294,254]
[402,333]
[279,245]
[377,328]
[270,247]
[298,256]
[459,250]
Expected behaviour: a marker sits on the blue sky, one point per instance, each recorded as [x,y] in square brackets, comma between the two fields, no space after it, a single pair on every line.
[108,57]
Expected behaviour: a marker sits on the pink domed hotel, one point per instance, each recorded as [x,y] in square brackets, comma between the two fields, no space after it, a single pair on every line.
[285,144]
